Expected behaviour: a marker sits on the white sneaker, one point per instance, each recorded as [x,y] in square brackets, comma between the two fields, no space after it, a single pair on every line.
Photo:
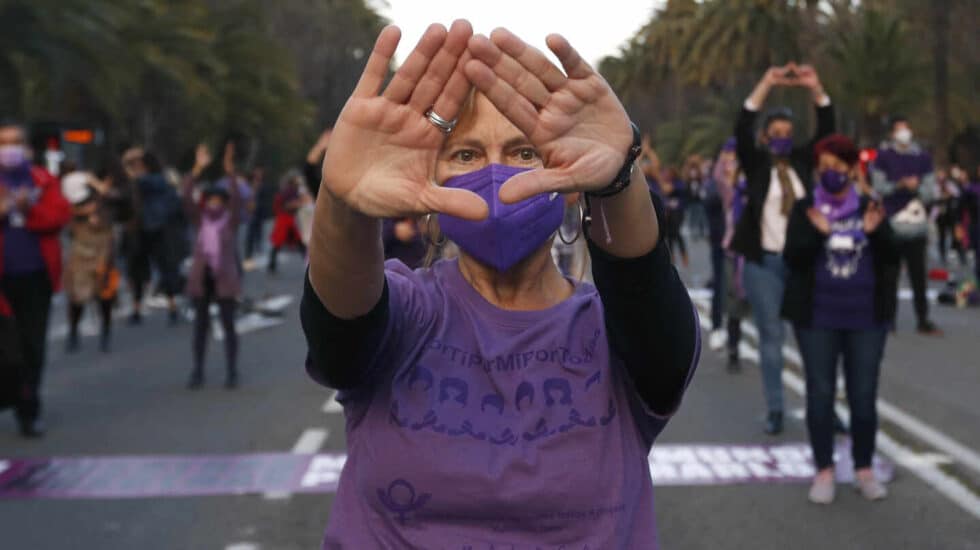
[870,489]
[717,340]
[822,491]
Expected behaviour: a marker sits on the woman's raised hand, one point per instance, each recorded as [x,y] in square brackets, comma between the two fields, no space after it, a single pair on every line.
[573,118]
[202,159]
[383,149]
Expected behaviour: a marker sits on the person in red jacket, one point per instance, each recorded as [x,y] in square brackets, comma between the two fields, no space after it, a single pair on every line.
[32,214]
[285,232]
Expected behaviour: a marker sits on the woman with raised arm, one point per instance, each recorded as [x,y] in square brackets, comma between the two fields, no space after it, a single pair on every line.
[490,401]
[214,275]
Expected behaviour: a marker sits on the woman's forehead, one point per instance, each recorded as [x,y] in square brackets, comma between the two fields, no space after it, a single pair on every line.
[826,157]
[11,134]
[484,123]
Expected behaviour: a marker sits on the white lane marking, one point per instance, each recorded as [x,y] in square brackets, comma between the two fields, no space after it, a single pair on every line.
[928,434]
[907,294]
[250,322]
[904,294]
[274,304]
[309,442]
[956,450]
[925,470]
[934,459]
[91,325]
[243,546]
[931,474]
[332,406]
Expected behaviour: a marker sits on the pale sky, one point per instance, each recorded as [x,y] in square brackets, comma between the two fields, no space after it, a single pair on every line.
[596,28]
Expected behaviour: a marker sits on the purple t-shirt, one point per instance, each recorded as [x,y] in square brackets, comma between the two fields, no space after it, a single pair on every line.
[485,428]
[844,281]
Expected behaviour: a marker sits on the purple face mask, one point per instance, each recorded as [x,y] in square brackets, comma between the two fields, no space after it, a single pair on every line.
[511,232]
[12,156]
[833,181]
[213,212]
[781,147]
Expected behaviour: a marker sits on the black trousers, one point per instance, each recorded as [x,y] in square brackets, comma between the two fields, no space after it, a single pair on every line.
[29,296]
[947,234]
[202,321]
[913,255]
[675,220]
[75,312]
[274,255]
[157,249]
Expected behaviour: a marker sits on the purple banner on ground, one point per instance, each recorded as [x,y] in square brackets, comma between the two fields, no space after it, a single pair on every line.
[151,476]
[172,476]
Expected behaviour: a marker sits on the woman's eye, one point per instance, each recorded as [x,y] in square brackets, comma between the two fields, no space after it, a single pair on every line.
[465,155]
[527,153]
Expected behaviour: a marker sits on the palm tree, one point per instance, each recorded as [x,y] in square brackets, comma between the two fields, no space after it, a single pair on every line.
[940,54]
[732,37]
[873,71]
[47,43]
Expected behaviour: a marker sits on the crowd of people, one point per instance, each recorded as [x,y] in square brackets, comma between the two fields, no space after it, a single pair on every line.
[805,232]
[451,354]
[132,225]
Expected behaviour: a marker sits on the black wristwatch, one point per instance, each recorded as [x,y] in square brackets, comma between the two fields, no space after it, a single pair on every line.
[625,175]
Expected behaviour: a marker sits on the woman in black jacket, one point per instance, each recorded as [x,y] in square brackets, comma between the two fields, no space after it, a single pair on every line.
[839,252]
[776,174]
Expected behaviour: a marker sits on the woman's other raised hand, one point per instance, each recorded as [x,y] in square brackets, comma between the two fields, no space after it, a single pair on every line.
[383,149]
[573,118]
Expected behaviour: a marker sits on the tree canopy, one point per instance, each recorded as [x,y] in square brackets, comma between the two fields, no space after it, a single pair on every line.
[687,70]
[169,73]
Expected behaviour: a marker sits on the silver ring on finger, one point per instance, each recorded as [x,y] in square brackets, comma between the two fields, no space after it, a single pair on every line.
[445,126]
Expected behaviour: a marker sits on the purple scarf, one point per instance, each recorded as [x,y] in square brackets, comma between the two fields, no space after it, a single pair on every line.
[209,237]
[836,208]
[847,240]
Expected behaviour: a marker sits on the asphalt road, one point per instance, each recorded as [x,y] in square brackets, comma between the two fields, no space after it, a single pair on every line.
[132,402]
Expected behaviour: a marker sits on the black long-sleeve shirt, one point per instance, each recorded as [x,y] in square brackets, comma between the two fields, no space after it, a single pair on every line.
[757,165]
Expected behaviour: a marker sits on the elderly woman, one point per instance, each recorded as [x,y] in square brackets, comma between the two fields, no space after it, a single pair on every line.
[839,254]
[490,401]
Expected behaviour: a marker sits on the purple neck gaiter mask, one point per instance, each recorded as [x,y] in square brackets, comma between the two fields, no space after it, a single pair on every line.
[511,232]
[781,147]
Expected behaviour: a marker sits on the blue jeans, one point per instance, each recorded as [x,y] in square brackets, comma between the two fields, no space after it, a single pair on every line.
[862,351]
[697,220]
[717,285]
[764,283]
